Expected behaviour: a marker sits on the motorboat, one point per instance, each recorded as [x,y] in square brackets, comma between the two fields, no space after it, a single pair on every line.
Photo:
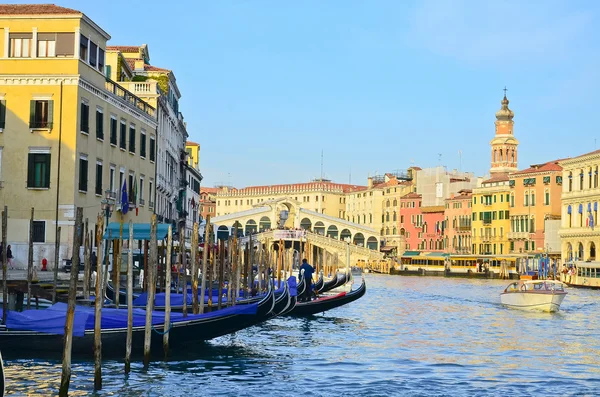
[541,295]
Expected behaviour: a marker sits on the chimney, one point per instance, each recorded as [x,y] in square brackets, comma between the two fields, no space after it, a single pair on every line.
[370,182]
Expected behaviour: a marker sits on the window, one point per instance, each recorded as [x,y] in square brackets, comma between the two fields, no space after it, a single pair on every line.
[100,59]
[113,130]
[46,45]
[93,54]
[40,114]
[83,173]
[83,48]
[20,45]
[152,149]
[2,114]
[38,170]
[84,122]
[99,178]
[39,231]
[99,124]
[143,143]
[150,183]
[141,200]
[533,199]
[123,143]
[130,188]
[121,178]
[132,138]
[111,178]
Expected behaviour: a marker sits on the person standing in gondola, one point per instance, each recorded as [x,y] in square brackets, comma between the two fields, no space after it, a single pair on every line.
[308,272]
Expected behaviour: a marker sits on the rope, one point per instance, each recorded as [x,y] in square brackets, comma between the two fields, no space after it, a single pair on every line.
[162,333]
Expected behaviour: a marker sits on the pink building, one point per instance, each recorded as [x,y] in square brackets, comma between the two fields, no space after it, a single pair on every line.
[420,227]
[457,231]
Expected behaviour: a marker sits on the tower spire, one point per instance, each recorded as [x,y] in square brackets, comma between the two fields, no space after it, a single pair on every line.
[504,145]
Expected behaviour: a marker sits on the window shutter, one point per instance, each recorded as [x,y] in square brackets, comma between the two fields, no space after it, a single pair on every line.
[30,170]
[108,71]
[2,113]
[50,113]
[31,113]
[47,169]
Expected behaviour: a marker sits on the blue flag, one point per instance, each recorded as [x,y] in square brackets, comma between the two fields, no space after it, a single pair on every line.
[591,220]
[124,200]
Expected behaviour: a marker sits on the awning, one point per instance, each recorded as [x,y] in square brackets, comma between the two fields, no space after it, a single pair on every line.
[437,254]
[386,248]
[141,231]
[411,253]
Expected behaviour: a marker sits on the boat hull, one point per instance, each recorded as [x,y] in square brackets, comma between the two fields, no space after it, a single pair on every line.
[534,301]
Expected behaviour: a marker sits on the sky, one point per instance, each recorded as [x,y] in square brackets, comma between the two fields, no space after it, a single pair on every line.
[376,86]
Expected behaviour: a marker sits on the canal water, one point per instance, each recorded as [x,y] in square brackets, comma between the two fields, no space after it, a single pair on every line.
[408,336]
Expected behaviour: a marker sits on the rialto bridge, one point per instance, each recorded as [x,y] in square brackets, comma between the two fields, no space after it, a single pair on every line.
[333,235]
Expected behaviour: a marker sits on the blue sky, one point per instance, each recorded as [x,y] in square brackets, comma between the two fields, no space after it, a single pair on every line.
[377,85]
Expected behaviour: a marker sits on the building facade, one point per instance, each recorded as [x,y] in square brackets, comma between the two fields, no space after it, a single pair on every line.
[158,87]
[580,196]
[192,193]
[458,220]
[534,198]
[68,134]
[208,202]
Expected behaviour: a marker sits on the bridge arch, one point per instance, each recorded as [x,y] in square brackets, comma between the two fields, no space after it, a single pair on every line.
[372,243]
[240,228]
[359,239]
[332,231]
[306,224]
[250,227]
[264,223]
[222,232]
[319,228]
[345,234]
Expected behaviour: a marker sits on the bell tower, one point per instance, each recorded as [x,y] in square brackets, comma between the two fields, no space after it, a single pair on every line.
[504,145]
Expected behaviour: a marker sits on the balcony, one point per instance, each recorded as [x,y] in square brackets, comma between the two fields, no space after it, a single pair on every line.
[463,228]
[129,97]
[518,235]
[141,88]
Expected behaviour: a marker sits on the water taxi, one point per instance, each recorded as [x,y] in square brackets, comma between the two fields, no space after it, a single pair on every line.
[541,295]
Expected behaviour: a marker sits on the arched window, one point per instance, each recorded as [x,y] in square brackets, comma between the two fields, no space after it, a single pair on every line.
[590,177]
[387,203]
[394,217]
[501,158]
[430,244]
[425,227]
[395,203]
[596,177]
[580,179]
[512,199]
[370,218]
[364,218]
[387,231]
[387,216]
[394,230]
[495,156]
[547,197]
[512,154]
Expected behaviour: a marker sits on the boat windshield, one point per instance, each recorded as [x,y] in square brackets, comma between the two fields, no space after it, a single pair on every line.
[545,286]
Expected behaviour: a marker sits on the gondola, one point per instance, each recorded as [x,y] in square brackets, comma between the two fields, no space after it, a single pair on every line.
[42,330]
[325,303]
[334,283]
[319,284]
[2,377]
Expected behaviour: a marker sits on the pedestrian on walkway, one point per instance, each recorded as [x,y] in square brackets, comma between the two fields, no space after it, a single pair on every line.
[9,256]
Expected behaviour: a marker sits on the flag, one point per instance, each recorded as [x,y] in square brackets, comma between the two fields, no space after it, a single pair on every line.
[135,193]
[591,220]
[124,200]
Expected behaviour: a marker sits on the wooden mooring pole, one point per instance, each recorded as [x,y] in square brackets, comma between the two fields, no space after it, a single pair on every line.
[221,273]
[183,263]
[86,262]
[129,300]
[168,292]
[204,263]
[151,290]
[29,261]
[194,258]
[68,339]
[98,310]
[56,260]
[5,264]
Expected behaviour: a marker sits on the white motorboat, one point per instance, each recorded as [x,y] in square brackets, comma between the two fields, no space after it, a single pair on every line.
[541,295]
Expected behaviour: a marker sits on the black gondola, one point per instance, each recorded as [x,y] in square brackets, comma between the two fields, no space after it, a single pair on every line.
[325,303]
[193,328]
[334,283]
[319,284]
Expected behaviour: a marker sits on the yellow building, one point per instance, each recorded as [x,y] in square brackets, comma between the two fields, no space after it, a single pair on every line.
[580,197]
[491,218]
[67,133]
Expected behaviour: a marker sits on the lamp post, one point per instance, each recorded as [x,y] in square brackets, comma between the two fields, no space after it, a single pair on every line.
[107,206]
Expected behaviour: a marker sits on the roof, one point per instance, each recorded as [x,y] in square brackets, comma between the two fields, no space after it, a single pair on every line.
[209,189]
[544,167]
[35,9]
[316,186]
[411,195]
[123,48]
[582,155]
[464,195]
[433,208]
[501,177]
[141,231]
[190,143]
[148,68]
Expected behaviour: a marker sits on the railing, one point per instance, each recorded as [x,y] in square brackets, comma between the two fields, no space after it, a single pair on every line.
[518,235]
[122,93]
[141,88]
[39,124]
[463,228]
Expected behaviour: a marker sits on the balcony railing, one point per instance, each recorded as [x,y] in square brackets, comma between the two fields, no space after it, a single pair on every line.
[463,228]
[518,235]
[40,124]
[141,88]
[129,97]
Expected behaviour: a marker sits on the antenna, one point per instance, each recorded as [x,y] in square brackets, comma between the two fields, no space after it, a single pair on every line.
[321,165]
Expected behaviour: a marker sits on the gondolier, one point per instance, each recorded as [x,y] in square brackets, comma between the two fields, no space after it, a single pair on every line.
[306,271]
